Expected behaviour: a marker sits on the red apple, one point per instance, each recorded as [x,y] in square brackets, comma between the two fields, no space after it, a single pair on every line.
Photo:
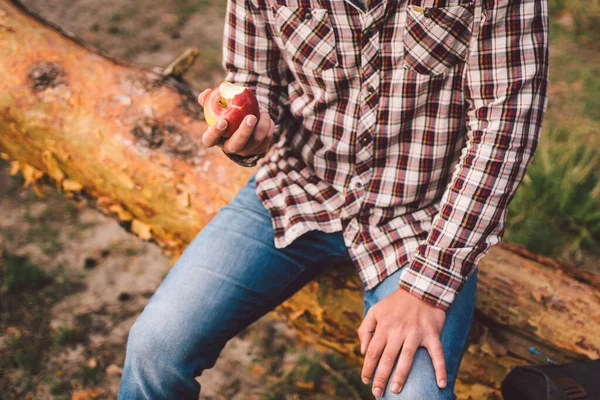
[231,102]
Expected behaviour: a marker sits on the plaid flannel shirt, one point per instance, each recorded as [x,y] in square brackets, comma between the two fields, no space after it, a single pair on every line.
[407,125]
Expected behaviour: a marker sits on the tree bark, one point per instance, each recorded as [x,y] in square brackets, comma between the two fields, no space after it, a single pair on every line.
[129,139]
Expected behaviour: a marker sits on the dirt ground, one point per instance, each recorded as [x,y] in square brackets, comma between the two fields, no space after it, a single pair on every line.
[150,33]
[112,274]
[73,281]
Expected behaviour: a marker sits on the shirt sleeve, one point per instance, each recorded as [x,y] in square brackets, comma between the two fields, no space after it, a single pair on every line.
[251,58]
[506,79]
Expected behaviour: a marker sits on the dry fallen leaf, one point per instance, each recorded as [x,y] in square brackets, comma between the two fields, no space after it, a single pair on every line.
[86,394]
[30,173]
[38,191]
[114,370]
[92,363]
[305,385]
[141,229]
[257,370]
[52,166]
[15,167]
[13,331]
[69,185]
[123,215]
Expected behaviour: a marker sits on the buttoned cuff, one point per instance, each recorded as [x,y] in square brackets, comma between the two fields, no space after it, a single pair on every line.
[431,282]
[245,161]
[252,160]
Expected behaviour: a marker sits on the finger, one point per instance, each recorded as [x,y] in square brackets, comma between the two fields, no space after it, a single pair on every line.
[263,126]
[373,355]
[214,132]
[434,346]
[203,96]
[386,365]
[266,144]
[407,356]
[365,331]
[238,140]
[261,131]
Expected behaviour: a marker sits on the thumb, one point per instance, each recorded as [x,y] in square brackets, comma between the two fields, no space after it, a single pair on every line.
[203,96]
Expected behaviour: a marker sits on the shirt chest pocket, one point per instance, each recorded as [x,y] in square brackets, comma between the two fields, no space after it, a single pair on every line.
[307,36]
[437,38]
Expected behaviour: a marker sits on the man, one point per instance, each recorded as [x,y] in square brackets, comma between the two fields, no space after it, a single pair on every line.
[398,133]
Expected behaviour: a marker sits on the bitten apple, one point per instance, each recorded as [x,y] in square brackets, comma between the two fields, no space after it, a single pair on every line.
[231,102]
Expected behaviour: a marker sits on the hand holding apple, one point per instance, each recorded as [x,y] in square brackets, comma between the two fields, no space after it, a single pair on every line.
[236,124]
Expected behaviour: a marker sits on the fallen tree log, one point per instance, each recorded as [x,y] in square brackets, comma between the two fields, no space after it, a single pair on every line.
[129,139]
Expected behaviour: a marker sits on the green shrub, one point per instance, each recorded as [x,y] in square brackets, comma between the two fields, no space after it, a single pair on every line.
[583,17]
[556,210]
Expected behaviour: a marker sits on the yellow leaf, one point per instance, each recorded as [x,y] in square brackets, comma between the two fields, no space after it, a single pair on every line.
[114,370]
[14,331]
[141,229]
[38,191]
[86,394]
[53,169]
[305,385]
[123,215]
[30,173]
[69,185]
[4,156]
[15,167]
[104,201]
[257,370]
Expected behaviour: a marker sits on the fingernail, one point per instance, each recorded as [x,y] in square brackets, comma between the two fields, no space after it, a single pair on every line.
[395,387]
[251,120]
[442,383]
[366,380]
[377,392]
[222,124]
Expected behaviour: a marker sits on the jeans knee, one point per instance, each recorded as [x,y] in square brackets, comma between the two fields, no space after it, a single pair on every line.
[420,393]
[421,383]
[155,362]
[162,337]
[419,389]
[142,342]
[150,340]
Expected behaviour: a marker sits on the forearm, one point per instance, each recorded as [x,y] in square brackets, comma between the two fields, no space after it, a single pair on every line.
[506,78]
[251,58]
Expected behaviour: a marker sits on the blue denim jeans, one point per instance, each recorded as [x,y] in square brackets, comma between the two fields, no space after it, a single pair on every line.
[231,275]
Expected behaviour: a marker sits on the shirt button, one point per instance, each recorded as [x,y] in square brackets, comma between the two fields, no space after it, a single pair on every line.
[307,17]
[358,185]
[371,89]
[364,140]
